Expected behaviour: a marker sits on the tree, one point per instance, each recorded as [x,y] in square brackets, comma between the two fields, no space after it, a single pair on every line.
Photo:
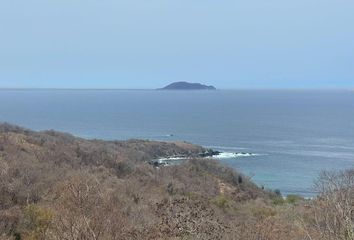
[331,216]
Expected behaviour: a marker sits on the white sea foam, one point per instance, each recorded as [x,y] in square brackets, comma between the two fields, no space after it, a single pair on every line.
[226,148]
[222,155]
[226,155]
[171,159]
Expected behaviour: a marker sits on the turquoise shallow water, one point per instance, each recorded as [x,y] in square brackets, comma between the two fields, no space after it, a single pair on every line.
[296,134]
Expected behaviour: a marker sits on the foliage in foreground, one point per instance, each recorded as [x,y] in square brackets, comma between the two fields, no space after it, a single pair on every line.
[54,186]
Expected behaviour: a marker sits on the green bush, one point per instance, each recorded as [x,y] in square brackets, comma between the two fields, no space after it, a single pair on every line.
[37,221]
[278,200]
[221,201]
[263,212]
[292,199]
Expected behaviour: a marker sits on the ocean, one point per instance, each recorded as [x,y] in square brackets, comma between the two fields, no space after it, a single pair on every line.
[290,135]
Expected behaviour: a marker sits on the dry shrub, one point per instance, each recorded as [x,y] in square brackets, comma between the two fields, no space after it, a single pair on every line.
[5,237]
[183,218]
[85,209]
[331,214]
[270,228]
[55,186]
[36,222]
[9,220]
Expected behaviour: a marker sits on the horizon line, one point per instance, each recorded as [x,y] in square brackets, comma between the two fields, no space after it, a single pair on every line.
[154,89]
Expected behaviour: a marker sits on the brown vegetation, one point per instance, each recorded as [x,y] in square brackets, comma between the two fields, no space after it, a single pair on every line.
[55,186]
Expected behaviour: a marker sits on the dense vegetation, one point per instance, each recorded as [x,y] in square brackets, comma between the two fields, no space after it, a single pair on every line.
[56,186]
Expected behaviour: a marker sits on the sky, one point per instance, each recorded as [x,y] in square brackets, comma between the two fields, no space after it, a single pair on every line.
[150,43]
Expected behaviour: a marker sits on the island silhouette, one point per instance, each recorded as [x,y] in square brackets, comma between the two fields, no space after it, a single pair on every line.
[187,86]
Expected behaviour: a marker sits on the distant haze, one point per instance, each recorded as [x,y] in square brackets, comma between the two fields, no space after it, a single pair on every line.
[149,44]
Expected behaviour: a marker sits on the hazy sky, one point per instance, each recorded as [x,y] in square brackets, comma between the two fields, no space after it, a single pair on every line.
[149,43]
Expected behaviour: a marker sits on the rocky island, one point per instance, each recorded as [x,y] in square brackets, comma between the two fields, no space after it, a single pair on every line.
[187,86]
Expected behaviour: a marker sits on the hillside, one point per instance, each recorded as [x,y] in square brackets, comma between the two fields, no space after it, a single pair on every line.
[187,86]
[56,186]
[52,171]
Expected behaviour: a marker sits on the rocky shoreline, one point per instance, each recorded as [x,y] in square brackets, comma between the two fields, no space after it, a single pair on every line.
[209,153]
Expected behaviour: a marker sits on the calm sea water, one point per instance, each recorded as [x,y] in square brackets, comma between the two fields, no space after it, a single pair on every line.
[296,134]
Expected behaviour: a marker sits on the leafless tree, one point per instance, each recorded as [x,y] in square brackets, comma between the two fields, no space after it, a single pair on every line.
[331,213]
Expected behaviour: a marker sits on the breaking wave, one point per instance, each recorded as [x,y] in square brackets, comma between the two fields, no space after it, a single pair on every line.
[226,155]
